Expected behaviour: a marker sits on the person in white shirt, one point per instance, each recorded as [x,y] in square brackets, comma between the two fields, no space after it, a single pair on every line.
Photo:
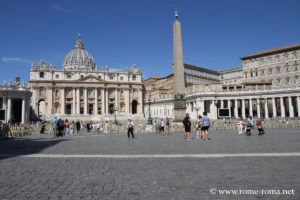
[130,128]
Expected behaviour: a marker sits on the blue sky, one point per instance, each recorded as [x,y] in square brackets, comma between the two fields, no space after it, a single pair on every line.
[119,33]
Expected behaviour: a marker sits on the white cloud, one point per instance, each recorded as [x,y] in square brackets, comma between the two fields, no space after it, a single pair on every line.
[15,59]
[59,8]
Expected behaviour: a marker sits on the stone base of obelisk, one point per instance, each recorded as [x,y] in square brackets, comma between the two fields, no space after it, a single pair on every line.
[179,110]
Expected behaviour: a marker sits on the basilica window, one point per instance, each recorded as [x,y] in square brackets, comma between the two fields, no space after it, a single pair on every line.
[69,76]
[42,74]
[270,71]
[57,76]
[111,77]
[42,92]
[133,77]
[121,78]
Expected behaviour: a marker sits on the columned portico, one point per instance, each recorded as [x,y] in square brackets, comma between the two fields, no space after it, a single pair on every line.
[78,100]
[103,101]
[236,114]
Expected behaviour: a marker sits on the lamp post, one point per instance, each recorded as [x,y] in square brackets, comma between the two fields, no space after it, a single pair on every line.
[149,118]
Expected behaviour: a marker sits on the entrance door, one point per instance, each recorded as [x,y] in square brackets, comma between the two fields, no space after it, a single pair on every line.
[134,106]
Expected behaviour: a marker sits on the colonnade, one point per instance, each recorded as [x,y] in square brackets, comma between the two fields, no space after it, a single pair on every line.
[261,107]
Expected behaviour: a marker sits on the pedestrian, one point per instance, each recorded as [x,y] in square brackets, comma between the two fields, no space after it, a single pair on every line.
[106,127]
[130,128]
[162,125]
[168,125]
[198,127]
[240,125]
[72,127]
[54,127]
[67,127]
[187,126]
[60,128]
[205,126]
[78,126]
[98,126]
[88,127]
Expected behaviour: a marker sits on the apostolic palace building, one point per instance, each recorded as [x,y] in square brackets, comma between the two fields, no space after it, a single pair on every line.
[267,85]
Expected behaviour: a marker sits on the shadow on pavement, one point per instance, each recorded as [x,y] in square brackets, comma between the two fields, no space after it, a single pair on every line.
[24,146]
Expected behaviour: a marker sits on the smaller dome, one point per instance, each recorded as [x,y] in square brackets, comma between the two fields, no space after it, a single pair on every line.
[79,58]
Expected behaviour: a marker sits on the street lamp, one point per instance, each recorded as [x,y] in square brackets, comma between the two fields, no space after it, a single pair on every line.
[149,118]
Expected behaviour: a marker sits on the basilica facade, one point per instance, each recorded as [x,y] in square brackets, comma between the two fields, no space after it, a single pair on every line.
[80,90]
[267,85]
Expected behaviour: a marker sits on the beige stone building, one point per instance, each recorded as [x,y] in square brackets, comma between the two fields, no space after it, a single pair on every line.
[266,85]
[79,89]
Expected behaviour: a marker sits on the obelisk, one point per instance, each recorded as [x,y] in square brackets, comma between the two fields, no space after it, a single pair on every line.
[178,71]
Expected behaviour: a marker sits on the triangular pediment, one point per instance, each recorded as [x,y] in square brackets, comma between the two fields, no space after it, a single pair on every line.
[90,78]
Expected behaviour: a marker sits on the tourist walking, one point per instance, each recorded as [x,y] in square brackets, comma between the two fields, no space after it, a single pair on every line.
[168,125]
[54,127]
[205,126]
[106,127]
[240,126]
[162,125]
[60,128]
[187,126]
[67,127]
[130,128]
[198,127]
[78,126]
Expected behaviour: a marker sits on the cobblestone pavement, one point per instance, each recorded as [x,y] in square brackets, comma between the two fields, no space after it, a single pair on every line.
[149,178]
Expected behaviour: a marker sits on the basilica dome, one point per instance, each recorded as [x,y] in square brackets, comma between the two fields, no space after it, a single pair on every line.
[79,58]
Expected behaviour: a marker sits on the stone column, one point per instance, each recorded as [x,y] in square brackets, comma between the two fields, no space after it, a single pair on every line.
[266,109]
[140,98]
[85,101]
[96,102]
[78,100]
[50,100]
[243,109]
[62,102]
[74,101]
[236,114]
[8,110]
[5,107]
[222,103]
[291,108]
[250,108]
[33,101]
[23,111]
[127,102]
[116,99]
[102,101]
[106,101]
[274,107]
[229,106]
[282,108]
[258,107]
[298,105]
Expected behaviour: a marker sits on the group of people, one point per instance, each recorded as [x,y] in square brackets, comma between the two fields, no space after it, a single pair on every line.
[202,125]
[162,125]
[248,125]
[65,127]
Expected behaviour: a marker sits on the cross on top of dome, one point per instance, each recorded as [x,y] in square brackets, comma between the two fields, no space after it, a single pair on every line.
[79,43]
